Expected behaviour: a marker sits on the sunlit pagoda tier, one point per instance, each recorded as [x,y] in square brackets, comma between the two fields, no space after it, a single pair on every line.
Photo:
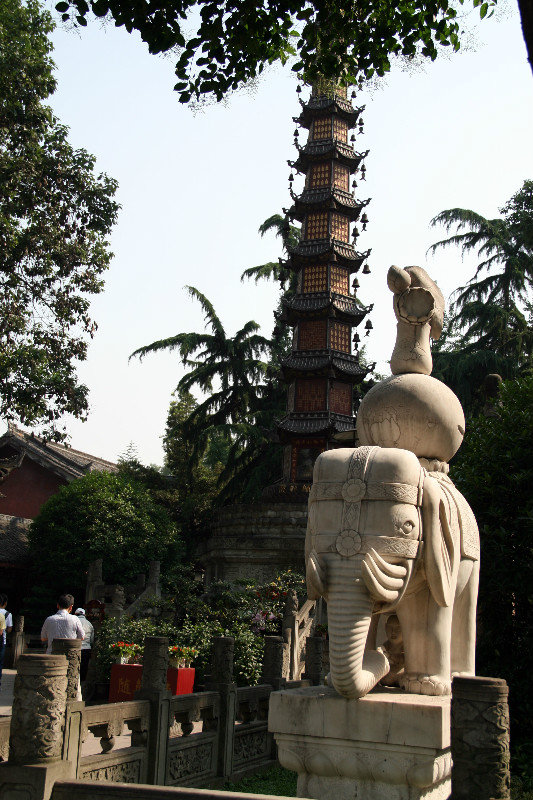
[321,371]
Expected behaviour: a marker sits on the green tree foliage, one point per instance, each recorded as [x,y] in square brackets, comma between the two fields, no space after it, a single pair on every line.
[224,44]
[495,473]
[195,479]
[237,415]
[99,516]
[487,329]
[55,216]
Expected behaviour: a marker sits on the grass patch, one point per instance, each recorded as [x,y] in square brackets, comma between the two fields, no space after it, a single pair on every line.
[275,780]
[282,782]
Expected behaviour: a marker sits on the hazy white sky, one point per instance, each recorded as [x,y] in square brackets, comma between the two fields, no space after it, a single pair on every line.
[195,188]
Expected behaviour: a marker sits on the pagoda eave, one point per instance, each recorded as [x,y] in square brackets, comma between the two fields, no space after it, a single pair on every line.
[323,250]
[327,149]
[322,304]
[312,200]
[312,424]
[321,106]
[323,363]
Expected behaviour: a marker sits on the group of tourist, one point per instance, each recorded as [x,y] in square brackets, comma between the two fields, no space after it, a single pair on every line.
[62,625]
[67,625]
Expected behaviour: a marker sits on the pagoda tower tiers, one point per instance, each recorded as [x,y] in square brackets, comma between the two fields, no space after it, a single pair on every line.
[321,370]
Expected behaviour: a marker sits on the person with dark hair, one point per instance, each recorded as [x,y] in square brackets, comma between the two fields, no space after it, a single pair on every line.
[63,624]
[5,628]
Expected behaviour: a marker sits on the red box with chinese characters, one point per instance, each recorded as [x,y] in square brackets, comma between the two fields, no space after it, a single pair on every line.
[126,680]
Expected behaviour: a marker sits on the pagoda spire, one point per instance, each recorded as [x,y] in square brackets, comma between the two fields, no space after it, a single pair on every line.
[322,368]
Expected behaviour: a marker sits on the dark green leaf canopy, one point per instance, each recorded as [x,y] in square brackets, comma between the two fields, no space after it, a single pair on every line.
[232,41]
[488,329]
[55,216]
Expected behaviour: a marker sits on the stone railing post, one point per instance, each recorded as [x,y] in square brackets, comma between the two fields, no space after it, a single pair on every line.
[480,739]
[71,648]
[36,734]
[314,656]
[222,681]
[154,689]
[276,658]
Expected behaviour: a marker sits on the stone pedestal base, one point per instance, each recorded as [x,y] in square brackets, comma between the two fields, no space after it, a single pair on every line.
[386,746]
[33,781]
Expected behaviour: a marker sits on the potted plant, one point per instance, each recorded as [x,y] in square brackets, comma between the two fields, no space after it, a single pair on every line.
[180,656]
[127,653]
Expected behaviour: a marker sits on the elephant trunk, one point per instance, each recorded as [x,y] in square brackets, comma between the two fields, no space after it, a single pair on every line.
[353,672]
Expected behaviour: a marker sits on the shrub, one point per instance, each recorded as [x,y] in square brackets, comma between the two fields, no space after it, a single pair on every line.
[99,516]
[495,473]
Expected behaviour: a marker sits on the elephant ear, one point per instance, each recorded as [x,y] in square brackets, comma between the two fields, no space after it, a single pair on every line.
[315,577]
[439,550]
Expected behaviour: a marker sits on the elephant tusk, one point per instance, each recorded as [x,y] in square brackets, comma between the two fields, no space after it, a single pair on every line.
[386,581]
[315,576]
[376,591]
[393,570]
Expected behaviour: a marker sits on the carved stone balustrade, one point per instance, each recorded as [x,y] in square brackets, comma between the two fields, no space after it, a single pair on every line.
[106,722]
[38,712]
[188,709]
[71,648]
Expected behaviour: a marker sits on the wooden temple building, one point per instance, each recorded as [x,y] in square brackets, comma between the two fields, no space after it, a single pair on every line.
[323,367]
[31,471]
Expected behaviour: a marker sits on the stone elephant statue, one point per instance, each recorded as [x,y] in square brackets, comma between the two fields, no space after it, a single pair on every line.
[385,534]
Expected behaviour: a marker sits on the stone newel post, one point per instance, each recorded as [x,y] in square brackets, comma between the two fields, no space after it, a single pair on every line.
[480,739]
[154,689]
[314,656]
[155,664]
[276,660]
[71,648]
[38,715]
[222,681]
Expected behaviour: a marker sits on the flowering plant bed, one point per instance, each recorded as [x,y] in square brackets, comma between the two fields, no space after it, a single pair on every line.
[126,679]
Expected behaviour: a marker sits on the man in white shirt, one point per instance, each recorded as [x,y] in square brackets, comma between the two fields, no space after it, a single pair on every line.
[62,624]
[7,629]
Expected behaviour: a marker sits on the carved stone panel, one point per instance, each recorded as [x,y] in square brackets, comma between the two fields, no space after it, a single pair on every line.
[125,772]
[251,745]
[189,762]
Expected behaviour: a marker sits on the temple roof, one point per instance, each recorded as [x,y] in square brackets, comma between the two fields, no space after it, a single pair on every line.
[310,423]
[320,250]
[14,540]
[330,198]
[58,458]
[321,106]
[301,363]
[339,305]
[322,149]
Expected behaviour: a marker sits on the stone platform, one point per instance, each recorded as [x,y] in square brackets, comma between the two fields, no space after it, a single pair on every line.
[254,541]
[386,746]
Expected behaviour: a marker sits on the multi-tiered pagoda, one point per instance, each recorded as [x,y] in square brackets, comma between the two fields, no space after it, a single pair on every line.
[321,370]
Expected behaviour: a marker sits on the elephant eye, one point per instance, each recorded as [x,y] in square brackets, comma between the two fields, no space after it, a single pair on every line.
[408,526]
